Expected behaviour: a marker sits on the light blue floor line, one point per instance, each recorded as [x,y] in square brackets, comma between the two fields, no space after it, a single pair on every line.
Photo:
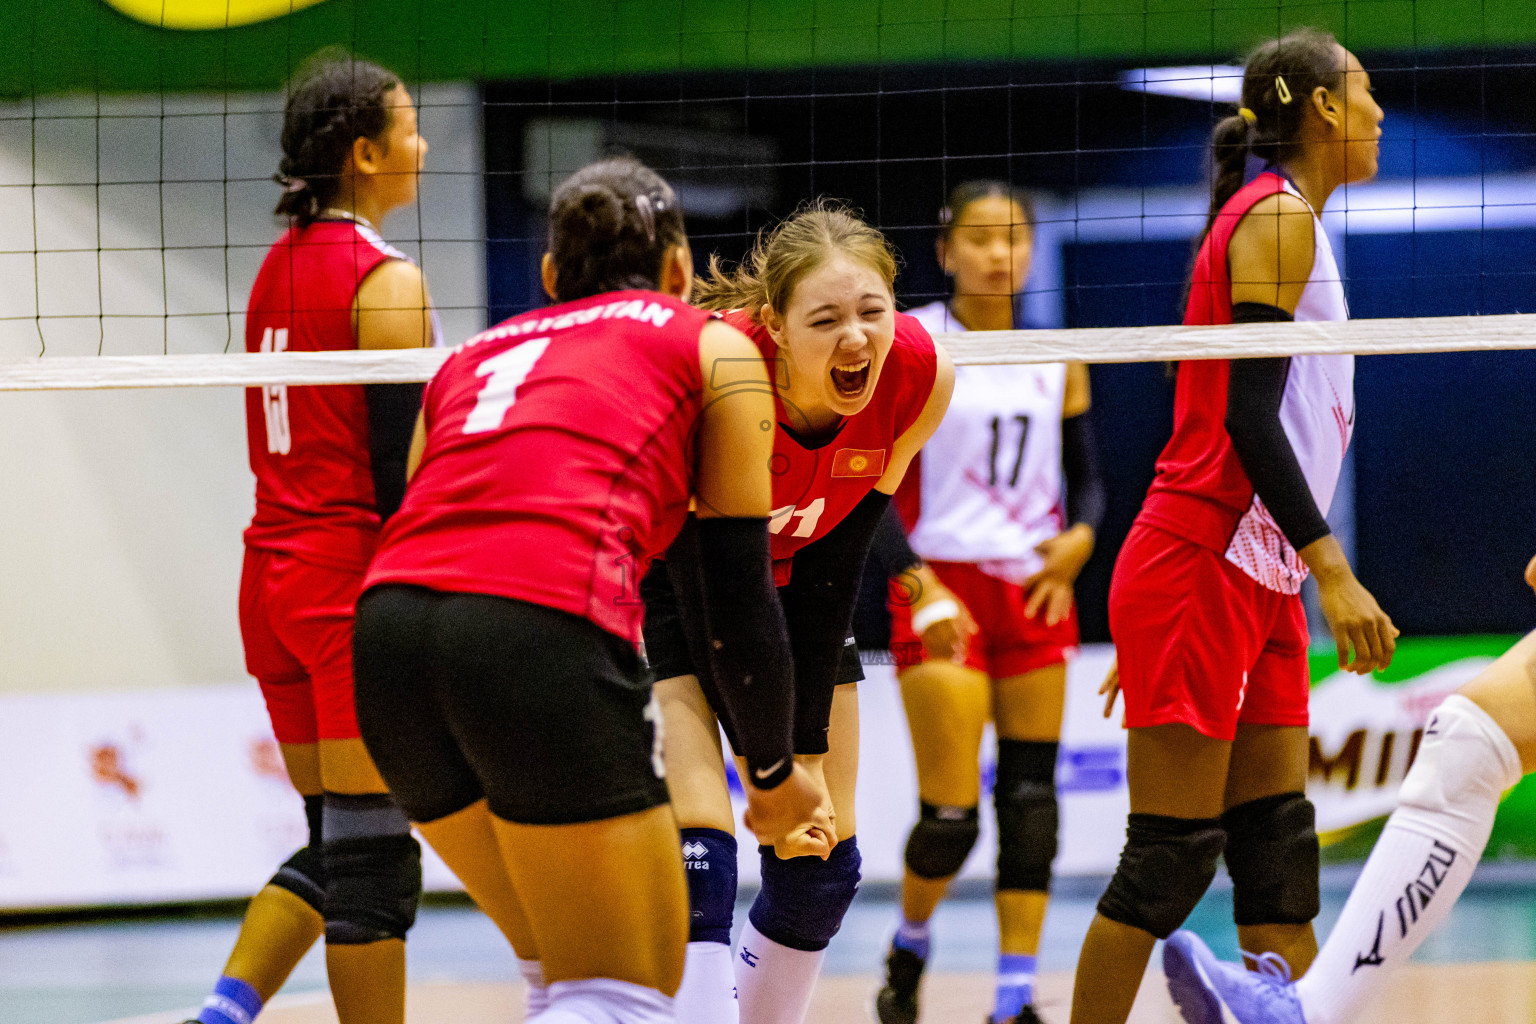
[85,973]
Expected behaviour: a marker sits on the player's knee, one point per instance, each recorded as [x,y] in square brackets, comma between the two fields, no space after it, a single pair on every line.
[1272,855]
[1165,868]
[1027,816]
[303,874]
[373,870]
[803,899]
[1466,759]
[709,857]
[941,840]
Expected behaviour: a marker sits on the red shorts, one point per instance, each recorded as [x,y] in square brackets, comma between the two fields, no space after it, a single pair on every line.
[296,621]
[1201,643]
[1007,642]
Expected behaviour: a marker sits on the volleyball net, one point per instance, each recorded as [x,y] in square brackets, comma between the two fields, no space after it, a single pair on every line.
[1392,336]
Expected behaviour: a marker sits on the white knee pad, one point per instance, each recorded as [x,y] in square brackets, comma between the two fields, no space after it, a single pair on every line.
[604,1001]
[1464,764]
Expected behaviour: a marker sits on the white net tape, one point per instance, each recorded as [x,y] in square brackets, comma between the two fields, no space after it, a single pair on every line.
[1092,345]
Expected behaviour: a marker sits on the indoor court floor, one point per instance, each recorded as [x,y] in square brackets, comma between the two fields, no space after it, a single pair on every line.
[1479,967]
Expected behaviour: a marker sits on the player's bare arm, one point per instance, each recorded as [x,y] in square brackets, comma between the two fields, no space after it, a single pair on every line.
[1271,253]
[735,440]
[393,308]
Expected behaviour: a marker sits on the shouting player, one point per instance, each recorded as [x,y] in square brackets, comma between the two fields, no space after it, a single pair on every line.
[329,465]
[498,683]
[1478,743]
[1205,605]
[859,388]
[991,520]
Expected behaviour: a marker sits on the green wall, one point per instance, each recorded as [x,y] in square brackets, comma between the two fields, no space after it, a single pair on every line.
[84,45]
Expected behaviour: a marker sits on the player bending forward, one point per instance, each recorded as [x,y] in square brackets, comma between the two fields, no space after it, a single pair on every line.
[1478,744]
[499,687]
[858,389]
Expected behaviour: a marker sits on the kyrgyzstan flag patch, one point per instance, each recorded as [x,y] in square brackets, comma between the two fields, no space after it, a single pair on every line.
[858,462]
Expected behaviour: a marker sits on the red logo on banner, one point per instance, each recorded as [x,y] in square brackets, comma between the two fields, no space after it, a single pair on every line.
[108,769]
[858,462]
[267,760]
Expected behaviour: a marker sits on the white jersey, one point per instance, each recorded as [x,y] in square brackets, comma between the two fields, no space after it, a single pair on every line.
[990,478]
[1318,414]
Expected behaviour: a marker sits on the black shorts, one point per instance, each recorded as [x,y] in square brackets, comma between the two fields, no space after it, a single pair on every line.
[463,696]
[670,651]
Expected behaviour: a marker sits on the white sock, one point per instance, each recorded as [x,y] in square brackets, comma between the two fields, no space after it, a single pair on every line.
[1421,863]
[604,1001]
[538,993]
[774,983]
[708,993]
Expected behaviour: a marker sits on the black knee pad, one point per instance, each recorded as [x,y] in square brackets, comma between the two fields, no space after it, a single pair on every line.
[303,874]
[373,870]
[941,840]
[1165,868]
[709,860]
[803,899]
[1272,855]
[1025,797]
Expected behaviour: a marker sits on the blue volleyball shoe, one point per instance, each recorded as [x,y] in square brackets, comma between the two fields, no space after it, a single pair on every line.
[1201,985]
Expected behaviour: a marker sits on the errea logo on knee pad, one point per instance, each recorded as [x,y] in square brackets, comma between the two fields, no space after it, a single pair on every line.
[695,852]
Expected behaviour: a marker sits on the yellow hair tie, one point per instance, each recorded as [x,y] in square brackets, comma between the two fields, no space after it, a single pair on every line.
[1282,90]
[1247,115]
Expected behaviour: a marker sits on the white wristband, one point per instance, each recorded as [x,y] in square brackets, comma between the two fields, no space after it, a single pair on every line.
[937,611]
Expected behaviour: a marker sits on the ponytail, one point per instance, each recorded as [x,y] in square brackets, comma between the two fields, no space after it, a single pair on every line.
[1278,78]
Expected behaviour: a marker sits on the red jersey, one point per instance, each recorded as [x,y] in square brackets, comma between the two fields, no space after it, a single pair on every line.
[1201,492]
[309,445]
[817,483]
[558,460]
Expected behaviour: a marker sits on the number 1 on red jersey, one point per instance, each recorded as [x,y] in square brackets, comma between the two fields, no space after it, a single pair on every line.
[507,373]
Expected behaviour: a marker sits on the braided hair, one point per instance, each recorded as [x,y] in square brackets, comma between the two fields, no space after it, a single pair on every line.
[1278,81]
[334,100]
[610,225]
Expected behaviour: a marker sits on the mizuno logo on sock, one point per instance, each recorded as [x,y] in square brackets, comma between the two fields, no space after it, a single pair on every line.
[1373,958]
[1415,898]
[748,957]
[1417,893]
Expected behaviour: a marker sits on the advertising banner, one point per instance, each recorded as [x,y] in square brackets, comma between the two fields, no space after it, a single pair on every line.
[176,795]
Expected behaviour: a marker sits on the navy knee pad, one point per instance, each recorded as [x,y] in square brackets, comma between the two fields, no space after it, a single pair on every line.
[1273,857]
[709,860]
[1165,868]
[303,874]
[941,840]
[803,899]
[1027,818]
[372,867]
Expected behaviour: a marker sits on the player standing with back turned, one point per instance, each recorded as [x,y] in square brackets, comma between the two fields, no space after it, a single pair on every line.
[329,465]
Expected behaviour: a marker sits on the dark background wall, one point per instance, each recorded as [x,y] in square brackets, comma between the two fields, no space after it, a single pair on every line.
[1445,445]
